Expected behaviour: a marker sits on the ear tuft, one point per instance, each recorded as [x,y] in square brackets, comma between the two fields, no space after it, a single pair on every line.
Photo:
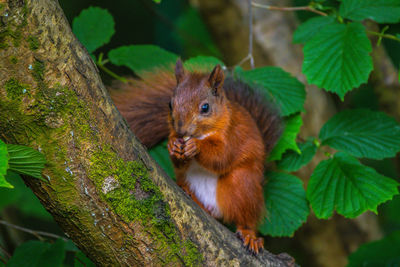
[179,71]
[216,79]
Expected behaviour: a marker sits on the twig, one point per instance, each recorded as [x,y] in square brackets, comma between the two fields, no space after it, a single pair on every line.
[384,35]
[100,63]
[250,55]
[296,8]
[38,234]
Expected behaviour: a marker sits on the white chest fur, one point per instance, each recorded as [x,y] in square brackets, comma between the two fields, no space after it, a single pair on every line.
[204,185]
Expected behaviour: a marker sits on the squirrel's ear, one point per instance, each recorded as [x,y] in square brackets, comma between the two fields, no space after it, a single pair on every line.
[216,79]
[179,71]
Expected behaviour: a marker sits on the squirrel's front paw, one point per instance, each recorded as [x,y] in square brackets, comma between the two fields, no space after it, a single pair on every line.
[175,147]
[190,149]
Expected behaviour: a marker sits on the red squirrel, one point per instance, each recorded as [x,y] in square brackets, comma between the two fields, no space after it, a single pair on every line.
[219,133]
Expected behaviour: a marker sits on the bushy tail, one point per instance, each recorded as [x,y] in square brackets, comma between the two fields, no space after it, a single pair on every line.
[263,112]
[144,104]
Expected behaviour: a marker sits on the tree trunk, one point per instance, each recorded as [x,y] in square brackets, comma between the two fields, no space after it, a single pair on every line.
[102,187]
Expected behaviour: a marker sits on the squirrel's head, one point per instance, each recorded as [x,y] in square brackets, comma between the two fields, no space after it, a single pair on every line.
[198,105]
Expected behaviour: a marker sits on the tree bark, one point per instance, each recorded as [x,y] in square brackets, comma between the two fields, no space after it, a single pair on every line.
[102,187]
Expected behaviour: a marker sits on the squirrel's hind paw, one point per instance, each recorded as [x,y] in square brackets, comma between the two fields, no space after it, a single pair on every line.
[252,243]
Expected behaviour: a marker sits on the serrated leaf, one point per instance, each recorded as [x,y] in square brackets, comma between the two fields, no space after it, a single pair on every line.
[385,252]
[337,58]
[286,204]
[202,63]
[161,155]
[362,133]
[288,138]
[38,254]
[381,11]
[142,58]
[286,91]
[308,29]
[4,165]
[26,160]
[293,161]
[344,184]
[94,27]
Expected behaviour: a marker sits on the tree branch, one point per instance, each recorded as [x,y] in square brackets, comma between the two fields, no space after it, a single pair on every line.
[37,234]
[296,8]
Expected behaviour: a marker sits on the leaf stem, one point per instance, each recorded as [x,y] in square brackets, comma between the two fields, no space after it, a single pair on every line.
[38,234]
[384,35]
[100,63]
[296,8]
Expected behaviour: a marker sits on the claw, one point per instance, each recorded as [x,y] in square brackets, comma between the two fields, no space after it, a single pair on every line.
[250,241]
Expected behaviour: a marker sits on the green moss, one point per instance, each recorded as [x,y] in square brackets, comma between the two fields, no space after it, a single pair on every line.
[38,71]
[14,89]
[33,42]
[17,37]
[13,59]
[126,186]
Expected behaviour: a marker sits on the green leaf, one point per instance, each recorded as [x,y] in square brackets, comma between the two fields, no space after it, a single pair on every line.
[281,87]
[307,30]
[82,261]
[293,161]
[142,58]
[202,63]
[288,137]
[161,155]
[381,11]
[22,198]
[4,165]
[286,204]
[385,252]
[38,254]
[10,196]
[25,160]
[93,27]
[344,184]
[362,133]
[337,58]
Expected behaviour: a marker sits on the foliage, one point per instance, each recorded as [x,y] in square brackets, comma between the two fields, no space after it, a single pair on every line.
[286,91]
[3,165]
[39,254]
[93,27]
[342,183]
[20,159]
[362,133]
[142,58]
[287,141]
[337,57]
[287,208]
[293,160]
[384,252]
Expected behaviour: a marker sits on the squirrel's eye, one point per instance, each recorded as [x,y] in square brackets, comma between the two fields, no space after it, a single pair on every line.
[205,107]
[170,105]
